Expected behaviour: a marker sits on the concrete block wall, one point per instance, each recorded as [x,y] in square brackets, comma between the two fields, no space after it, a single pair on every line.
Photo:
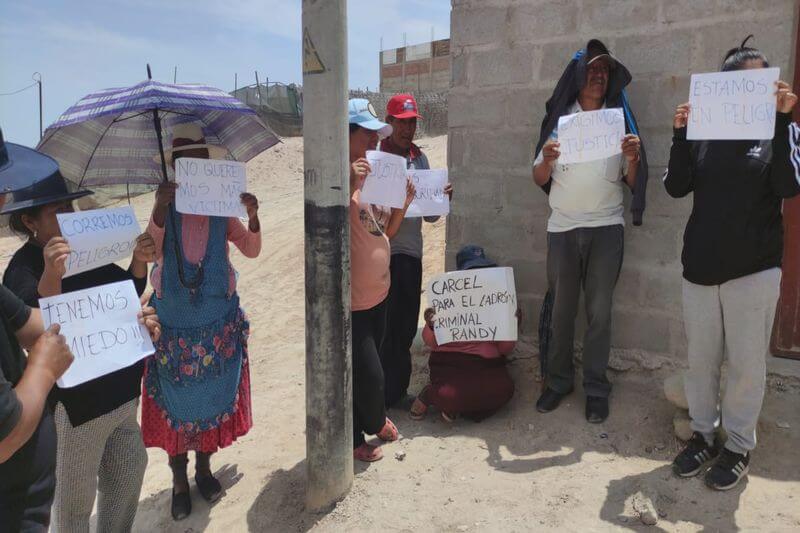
[506,57]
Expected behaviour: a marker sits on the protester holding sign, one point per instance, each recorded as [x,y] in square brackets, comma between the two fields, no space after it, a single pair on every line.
[97,418]
[732,252]
[585,230]
[466,378]
[27,431]
[406,262]
[369,287]
[197,385]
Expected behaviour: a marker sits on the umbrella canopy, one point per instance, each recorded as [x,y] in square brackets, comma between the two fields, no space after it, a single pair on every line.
[108,137]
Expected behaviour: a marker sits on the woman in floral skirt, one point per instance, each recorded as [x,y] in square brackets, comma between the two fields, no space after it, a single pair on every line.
[197,385]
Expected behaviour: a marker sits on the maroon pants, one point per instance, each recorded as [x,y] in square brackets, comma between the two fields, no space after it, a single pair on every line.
[467,384]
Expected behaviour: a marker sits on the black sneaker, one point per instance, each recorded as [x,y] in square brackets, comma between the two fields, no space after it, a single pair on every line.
[729,469]
[549,400]
[694,456]
[596,409]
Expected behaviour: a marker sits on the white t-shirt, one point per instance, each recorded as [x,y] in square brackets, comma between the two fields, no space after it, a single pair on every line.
[585,195]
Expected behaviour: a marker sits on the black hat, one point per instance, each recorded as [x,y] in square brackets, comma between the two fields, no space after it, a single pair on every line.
[472,256]
[21,166]
[595,49]
[51,189]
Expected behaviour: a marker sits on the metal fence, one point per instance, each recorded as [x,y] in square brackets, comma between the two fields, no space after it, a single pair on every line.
[281,106]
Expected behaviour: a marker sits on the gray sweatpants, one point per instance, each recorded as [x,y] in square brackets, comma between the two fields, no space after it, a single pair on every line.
[588,259]
[104,456]
[731,321]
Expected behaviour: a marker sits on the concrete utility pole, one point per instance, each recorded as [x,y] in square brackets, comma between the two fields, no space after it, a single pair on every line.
[329,403]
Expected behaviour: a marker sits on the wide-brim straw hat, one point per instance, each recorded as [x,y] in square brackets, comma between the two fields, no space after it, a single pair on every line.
[189,136]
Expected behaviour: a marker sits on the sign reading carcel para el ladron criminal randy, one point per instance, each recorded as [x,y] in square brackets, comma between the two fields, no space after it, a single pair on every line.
[98,237]
[474,305]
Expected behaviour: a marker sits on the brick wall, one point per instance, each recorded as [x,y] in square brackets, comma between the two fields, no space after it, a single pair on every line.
[506,57]
[429,74]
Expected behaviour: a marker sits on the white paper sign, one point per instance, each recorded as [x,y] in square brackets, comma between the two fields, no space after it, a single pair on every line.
[590,135]
[429,199]
[101,328]
[210,187]
[474,305]
[386,184]
[98,237]
[733,105]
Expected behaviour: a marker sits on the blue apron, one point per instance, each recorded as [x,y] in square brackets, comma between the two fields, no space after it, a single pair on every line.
[195,372]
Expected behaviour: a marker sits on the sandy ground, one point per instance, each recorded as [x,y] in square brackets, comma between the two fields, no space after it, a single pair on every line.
[518,471]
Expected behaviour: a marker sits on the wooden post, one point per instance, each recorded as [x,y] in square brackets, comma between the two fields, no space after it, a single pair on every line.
[786,330]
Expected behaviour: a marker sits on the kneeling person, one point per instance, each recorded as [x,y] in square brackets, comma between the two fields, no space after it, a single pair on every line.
[466,378]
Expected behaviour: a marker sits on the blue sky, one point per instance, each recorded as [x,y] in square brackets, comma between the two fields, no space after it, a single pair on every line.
[80,46]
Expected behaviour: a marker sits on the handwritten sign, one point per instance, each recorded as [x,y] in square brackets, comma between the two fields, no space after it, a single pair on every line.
[210,187]
[386,184]
[430,198]
[98,237]
[590,135]
[733,105]
[474,305]
[102,330]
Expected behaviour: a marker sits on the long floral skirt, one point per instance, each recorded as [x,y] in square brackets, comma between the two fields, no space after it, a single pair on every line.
[158,433]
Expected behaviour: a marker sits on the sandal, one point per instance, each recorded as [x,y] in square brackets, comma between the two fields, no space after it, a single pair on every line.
[367,453]
[181,506]
[449,418]
[389,432]
[210,488]
[418,410]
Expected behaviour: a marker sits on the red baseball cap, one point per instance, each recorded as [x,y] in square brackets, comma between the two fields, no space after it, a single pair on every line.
[402,106]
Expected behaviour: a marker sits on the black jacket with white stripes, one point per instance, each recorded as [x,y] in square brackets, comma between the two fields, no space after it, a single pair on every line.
[736,227]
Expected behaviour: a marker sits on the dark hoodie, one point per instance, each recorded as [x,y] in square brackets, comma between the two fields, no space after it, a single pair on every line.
[566,92]
[736,227]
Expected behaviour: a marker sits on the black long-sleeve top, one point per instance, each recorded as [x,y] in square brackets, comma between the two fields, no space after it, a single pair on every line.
[735,228]
[99,396]
[27,478]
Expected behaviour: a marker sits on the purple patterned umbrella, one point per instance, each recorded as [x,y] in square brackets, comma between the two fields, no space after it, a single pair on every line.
[113,137]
